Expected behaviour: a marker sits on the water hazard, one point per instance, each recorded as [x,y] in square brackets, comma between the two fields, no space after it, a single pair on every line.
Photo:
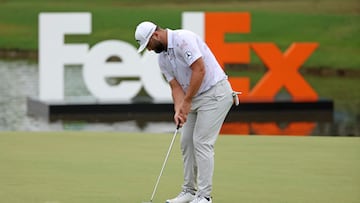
[19,80]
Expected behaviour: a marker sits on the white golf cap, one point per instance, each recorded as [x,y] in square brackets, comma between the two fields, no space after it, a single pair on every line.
[143,34]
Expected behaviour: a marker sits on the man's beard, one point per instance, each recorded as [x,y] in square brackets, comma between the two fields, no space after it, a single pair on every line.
[159,47]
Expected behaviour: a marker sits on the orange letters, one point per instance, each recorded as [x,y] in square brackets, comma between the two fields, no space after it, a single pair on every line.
[283,71]
[282,68]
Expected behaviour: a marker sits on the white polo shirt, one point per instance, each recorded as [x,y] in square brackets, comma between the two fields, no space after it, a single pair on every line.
[184,48]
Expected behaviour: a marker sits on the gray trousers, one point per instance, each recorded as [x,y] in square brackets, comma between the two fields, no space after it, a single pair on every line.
[199,135]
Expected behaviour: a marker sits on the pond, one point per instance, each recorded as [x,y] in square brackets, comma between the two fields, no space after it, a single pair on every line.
[19,80]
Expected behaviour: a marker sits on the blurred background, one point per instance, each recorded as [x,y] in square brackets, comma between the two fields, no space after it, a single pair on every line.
[333,70]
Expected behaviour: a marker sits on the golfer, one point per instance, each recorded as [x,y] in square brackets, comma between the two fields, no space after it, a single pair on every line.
[202,98]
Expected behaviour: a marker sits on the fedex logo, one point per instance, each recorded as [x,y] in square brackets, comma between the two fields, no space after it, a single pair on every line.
[141,71]
[282,67]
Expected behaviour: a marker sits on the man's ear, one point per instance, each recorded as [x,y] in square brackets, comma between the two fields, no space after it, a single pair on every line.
[156,35]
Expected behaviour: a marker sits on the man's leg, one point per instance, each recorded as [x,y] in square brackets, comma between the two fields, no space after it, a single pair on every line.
[210,118]
[188,153]
[190,169]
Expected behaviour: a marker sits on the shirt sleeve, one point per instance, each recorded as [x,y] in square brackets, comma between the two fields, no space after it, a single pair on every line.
[189,48]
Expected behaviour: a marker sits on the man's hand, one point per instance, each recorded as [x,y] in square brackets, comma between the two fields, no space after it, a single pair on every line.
[178,120]
[181,115]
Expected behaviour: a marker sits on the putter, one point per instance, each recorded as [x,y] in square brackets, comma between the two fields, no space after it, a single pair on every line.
[163,166]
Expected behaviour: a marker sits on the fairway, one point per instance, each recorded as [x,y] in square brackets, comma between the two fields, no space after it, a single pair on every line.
[81,167]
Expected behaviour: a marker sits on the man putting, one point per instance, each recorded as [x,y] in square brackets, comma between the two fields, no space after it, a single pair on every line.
[202,98]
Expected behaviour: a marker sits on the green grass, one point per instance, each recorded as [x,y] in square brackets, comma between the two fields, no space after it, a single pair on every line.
[332,23]
[81,167]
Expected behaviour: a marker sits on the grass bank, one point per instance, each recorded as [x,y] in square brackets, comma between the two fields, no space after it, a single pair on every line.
[332,23]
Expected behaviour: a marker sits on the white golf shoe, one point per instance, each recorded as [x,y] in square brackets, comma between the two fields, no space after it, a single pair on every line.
[183,197]
[202,200]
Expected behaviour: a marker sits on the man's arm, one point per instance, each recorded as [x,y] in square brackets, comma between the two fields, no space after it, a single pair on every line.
[197,76]
[182,101]
[177,94]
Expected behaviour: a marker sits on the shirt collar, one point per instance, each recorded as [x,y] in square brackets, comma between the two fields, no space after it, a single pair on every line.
[170,43]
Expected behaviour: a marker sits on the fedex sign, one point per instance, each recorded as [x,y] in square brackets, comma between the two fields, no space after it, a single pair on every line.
[54,54]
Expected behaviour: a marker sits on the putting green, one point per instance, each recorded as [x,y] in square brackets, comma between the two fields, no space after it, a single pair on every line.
[84,167]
